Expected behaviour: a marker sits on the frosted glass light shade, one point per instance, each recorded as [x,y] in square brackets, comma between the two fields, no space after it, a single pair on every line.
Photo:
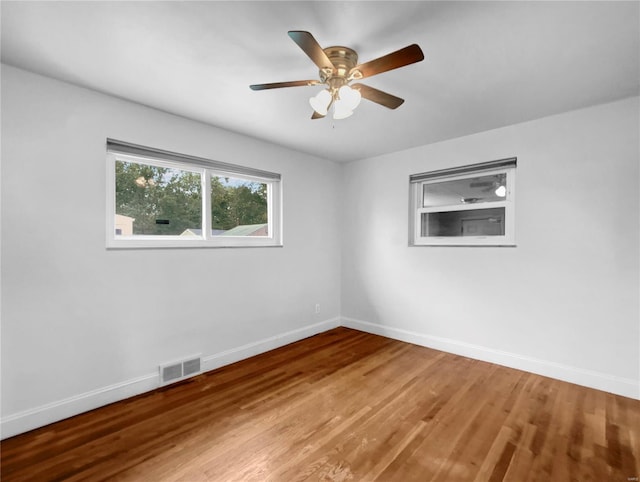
[501,191]
[341,110]
[320,102]
[349,96]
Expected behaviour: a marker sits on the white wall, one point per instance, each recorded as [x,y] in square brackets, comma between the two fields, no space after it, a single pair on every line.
[563,303]
[83,325]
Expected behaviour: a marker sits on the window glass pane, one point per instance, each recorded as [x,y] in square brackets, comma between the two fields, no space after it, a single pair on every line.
[238,207]
[473,222]
[153,200]
[465,191]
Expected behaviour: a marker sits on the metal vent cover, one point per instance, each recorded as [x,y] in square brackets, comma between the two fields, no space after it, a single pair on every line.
[171,372]
[191,367]
[180,369]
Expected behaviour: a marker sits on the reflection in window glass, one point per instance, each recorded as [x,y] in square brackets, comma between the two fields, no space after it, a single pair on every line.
[471,222]
[156,201]
[470,205]
[465,191]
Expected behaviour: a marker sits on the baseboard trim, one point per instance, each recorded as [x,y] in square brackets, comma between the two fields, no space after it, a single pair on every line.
[52,412]
[251,349]
[601,381]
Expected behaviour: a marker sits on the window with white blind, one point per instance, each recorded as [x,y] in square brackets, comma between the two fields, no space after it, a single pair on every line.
[163,199]
[464,206]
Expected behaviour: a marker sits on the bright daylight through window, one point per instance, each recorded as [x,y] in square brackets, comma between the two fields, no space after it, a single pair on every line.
[468,205]
[162,199]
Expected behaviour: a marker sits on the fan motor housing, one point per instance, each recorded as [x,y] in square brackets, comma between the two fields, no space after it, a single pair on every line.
[343,59]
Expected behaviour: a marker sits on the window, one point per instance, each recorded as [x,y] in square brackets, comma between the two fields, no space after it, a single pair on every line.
[462,206]
[163,199]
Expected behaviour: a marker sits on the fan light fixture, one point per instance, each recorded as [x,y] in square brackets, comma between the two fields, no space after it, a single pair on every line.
[321,102]
[338,68]
[344,101]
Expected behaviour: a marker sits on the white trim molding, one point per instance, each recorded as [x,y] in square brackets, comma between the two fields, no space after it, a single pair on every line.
[251,349]
[52,412]
[626,387]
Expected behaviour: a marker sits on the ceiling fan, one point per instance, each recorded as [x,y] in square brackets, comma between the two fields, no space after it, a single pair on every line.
[338,68]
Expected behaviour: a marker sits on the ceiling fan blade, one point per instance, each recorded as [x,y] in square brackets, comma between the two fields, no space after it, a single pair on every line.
[378,96]
[277,85]
[399,58]
[315,115]
[311,47]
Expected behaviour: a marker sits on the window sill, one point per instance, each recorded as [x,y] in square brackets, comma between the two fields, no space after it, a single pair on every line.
[191,243]
[467,241]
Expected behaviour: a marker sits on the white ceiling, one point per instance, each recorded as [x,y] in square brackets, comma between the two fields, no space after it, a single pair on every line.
[487,64]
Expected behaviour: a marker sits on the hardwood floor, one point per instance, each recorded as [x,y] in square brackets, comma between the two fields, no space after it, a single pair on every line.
[344,405]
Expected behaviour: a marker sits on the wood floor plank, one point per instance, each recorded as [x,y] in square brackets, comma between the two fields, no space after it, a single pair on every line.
[344,406]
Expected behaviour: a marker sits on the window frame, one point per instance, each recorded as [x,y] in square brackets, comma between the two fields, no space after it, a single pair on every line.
[206,239]
[416,189]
